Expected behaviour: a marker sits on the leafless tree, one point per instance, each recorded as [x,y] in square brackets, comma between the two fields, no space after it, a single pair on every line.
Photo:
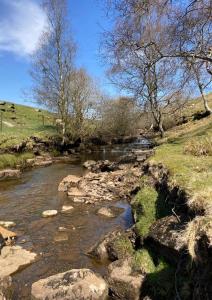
[54,62]
[133,49]
[83,96]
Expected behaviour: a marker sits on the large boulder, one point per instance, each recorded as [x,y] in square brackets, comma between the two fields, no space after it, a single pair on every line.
[6,288]
[76,284]
[123,282]
[166,237]
[68,182]
[14,258]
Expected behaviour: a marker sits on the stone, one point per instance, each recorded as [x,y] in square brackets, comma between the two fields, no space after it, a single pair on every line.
[7,224]
[2,242]
[66,208]
[76,284]
[7,234]
[10,174]
[14,258]
[166,236]
[49,213]
[101,250]
[89,163]
[75,192]
[6,288]
[123,283]
[68,182]
[44,163]
[110,212]
[61,237]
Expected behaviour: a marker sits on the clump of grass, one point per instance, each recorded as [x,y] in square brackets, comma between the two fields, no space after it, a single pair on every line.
[13,160]
[199,147]
[142,261]
[144,207]
[160,283]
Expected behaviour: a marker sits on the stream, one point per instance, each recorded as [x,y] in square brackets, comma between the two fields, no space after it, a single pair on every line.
[23,202]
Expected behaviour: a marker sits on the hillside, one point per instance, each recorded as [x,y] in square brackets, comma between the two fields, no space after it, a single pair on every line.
[20,121]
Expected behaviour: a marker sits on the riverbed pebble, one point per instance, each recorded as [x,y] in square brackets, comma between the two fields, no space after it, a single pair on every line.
[49,213]
[66,208]
[7,224]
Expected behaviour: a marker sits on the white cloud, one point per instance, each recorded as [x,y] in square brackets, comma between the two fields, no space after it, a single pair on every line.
[21,25]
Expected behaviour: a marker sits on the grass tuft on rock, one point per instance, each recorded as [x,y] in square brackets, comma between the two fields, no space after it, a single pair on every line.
[142,261]
[123,247]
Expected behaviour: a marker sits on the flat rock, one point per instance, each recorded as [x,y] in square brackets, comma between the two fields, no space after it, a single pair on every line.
[10,173]
[67,208]
[14,258]
[7,234]
[7,224]
[68,182]
[75,192]
[76,284]
[49,213]
[123,283]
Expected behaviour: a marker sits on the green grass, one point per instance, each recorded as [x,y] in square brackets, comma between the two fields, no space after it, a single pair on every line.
[142,261]
[12,160]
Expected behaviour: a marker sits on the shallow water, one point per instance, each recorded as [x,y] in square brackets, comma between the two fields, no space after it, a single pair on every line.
[23,202]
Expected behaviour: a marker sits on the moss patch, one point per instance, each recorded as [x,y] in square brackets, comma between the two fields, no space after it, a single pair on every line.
[142,261]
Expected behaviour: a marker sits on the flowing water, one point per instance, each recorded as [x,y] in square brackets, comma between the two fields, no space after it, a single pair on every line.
[23,202]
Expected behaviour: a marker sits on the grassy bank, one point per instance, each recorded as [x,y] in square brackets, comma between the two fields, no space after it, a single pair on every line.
[14,160]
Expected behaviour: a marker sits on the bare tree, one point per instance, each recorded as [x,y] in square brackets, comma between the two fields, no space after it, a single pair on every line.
[82,105]
[53,63]
[133,49]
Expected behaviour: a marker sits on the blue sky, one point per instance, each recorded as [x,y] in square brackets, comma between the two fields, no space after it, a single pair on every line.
[21,23]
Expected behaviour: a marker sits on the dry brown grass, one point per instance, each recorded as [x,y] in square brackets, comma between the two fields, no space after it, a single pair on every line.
[199,146]
[196,230]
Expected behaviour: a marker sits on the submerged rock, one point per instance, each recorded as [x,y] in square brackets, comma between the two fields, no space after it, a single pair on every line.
[14,258]
[123,283]
[67,208]
[110,212]
[6,288]
[49,213]
[76,284]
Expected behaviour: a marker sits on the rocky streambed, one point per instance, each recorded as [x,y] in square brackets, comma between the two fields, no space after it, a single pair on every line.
[89,204]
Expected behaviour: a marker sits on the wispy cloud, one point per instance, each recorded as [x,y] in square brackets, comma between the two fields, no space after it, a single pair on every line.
[21,25]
